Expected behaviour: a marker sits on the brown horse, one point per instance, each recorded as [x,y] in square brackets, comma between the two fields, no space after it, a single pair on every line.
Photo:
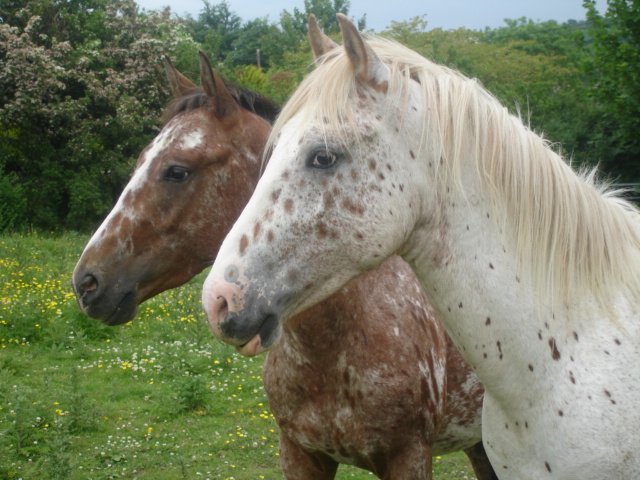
[367,378]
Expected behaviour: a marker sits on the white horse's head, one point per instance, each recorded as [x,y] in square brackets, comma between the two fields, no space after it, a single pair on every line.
[337,197]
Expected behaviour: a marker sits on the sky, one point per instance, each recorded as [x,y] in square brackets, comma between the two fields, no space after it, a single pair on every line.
[449,14]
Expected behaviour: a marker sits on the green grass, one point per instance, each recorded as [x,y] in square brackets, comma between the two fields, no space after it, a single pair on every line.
[158,398]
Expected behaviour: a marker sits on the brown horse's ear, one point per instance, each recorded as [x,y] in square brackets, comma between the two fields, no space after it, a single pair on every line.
[216,90]
[178,82]
[320,43]
[368,68]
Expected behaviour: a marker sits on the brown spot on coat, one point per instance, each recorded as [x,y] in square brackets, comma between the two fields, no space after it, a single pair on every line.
[322,230]
[356,208]
[555,353]
[244,243]
[328,200]
[608,394]
[288,206]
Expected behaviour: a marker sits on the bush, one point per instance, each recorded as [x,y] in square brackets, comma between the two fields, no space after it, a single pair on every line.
[13,201]
[192,393]
[81,93]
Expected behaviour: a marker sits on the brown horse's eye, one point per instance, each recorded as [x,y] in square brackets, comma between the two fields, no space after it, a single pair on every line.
[176,173]
[323,159]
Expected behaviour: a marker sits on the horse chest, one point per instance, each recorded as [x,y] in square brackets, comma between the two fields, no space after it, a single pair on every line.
[342,393]
[351,413]
[461,422]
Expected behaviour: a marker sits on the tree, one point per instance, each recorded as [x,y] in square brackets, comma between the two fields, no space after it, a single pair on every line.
[534,68]
[548,75]
[256,35]
[81,91]
[216,29]
[614,73]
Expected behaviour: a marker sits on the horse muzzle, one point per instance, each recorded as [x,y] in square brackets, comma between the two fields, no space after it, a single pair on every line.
[248,321]
[96,299]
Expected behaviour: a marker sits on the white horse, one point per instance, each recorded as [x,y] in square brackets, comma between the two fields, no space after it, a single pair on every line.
[533,268]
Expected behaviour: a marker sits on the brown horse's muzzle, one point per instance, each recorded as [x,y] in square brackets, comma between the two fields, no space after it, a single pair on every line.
[113,303]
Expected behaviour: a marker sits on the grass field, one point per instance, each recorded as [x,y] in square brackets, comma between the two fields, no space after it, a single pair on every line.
[158,398]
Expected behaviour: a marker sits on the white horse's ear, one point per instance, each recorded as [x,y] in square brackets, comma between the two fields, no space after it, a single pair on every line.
[368,68]
[320,43]
[216,90]
[178,83]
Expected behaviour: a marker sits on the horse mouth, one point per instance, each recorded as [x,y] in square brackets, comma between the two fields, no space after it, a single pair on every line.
[252,348]
[268,333]
[124,312]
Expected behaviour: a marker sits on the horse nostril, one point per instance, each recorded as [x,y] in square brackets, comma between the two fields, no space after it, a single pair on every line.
[222,309]
[87,286]
[223,303]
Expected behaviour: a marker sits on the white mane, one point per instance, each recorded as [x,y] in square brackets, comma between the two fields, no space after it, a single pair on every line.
[571,235]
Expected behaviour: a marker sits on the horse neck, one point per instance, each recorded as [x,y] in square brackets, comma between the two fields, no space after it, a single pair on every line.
[488,301]
[471,275]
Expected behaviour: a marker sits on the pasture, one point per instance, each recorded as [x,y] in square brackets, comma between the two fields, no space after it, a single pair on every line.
[158,398]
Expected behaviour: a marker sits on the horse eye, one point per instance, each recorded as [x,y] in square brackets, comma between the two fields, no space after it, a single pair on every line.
[176,173]
[323,159]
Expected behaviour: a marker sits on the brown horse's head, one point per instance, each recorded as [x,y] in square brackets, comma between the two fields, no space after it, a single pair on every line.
[188,187]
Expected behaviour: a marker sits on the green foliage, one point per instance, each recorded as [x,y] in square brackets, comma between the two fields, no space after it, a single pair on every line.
[534,69]
[258,42]
[80,93]
[13,201]
[57,462]
[82,88]
[216,29]
[252,78]
[614,73]
[325,11]
[192,393]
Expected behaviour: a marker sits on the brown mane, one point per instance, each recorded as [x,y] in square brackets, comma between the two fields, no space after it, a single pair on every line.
[247,99]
